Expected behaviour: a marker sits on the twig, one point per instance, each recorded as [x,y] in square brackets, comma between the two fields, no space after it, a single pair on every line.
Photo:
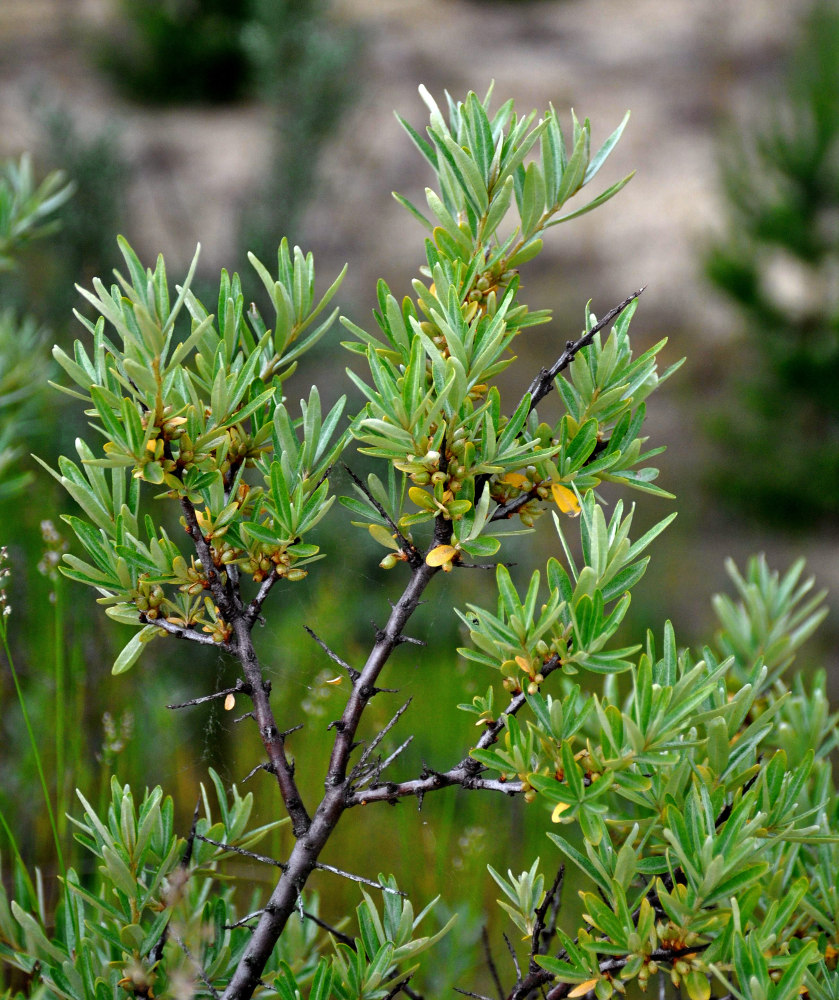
[253,609]
[238,688]
[182,632]
[193,833]
[411,639]
[351,671]
[414,557]
[493,566]
[272,738]
[257,767]
[513,955]
[243,921]
[377,739]
[338,935]
[265,860]
[358,878]
[491,962]
[544,381]
[398,988]
[261,858]
[156,951]
[469,993]
[313,838]
[197,966]
[466,773]
[227,603]
[382,765]
[608,965]
[537,945]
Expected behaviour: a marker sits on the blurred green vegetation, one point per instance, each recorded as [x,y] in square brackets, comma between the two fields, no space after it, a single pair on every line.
[779,266]
[179,51]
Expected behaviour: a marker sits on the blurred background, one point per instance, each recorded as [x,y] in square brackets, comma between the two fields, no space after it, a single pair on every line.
[235,122]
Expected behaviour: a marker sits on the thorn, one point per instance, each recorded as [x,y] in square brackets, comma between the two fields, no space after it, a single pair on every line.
[351,671]
[408,638]
[259,767]
[288,732]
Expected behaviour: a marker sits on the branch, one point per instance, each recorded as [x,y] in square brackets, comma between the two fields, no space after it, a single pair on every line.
[265,860]
[544,381]
[253,609]
[358,770]
[466,773]
[303,858]
[351,671]
[542,934]
[533,980]
[261,858]
[410,550]
[183,632]
[491,962]
[199,971]
[223,596]
[273,739]
[239,687]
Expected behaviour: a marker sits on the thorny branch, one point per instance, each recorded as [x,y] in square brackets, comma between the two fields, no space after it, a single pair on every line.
[265,860]
[313,832]
[240,687]
[311,841]
[182,632]
[543,932]
[544,383]
[466,773]
[352,673]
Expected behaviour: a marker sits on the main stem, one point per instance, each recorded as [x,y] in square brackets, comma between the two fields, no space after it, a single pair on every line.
[309,845]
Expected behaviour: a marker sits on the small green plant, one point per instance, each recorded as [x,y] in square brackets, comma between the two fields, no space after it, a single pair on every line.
[778,268]
[694,793]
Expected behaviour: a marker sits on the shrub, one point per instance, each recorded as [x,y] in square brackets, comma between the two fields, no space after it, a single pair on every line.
[692,794]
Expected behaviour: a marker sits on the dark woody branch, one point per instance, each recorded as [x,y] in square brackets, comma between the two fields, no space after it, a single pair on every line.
[466,773]
[240,644]
[182,632]
[351,671]
[253,609]
[240,687]
[304,856]
[544,383]
[265,860]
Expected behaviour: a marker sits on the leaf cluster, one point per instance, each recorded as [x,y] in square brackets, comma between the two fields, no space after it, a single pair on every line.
[143,921]
[431,409]
[705,801]
[162,914]
[192,414]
